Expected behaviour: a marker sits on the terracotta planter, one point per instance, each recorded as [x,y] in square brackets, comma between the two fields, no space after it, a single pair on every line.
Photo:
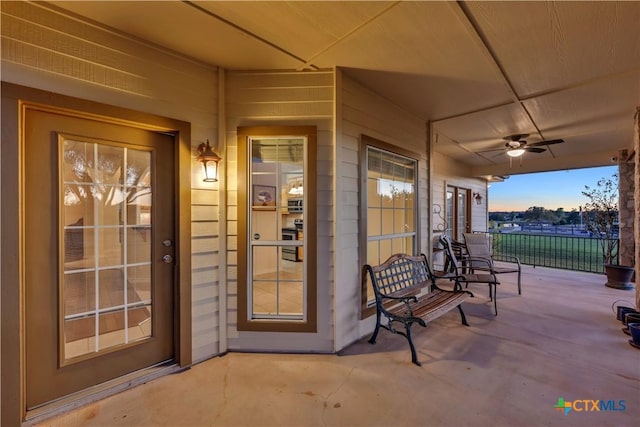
[619,276]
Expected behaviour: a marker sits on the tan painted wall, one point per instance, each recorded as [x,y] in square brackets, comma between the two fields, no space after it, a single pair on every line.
[282,99]
[448,172]
[362,111]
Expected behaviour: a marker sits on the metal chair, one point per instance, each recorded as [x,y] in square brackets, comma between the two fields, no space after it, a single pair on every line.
[479,245]
[459,270]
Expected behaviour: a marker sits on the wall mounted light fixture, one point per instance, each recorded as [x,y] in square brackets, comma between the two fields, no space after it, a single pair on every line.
[209,160]
[478,198]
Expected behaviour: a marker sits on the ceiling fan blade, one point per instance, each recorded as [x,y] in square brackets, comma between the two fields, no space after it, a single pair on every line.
[534,149]
[549,142]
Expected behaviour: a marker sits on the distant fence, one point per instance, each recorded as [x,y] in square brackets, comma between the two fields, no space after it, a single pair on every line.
[566,252]
[562,230]
[555,229]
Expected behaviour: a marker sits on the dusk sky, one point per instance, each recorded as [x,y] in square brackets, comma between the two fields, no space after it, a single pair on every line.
[551,190]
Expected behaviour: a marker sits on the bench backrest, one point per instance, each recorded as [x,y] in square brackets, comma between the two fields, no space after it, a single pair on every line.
[400,273]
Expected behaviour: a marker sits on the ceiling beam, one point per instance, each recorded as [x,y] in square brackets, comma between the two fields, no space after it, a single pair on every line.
[468,22]
[531,165]
[351,32]
[207,12]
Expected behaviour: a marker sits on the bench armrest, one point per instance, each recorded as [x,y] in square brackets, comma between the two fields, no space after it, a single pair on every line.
[405,300]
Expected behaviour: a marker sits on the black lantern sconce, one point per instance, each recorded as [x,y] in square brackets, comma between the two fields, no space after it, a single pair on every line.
[478,198]
[209,160]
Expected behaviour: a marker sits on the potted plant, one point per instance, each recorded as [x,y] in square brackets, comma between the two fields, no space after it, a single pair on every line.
[600,216]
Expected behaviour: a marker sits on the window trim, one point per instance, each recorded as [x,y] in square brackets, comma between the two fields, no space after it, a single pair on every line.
[367,141]
[310,231]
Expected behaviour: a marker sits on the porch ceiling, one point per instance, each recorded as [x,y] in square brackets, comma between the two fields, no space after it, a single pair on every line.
[478,70]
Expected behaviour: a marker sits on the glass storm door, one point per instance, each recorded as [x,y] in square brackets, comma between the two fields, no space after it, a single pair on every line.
[276,289]
[99,248]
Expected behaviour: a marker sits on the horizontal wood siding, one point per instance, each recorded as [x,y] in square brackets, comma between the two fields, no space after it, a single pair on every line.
[205,269]
[45,49]
[447,171]
[283,99]
[362,111]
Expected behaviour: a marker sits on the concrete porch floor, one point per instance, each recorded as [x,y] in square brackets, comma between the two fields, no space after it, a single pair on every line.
[560,339]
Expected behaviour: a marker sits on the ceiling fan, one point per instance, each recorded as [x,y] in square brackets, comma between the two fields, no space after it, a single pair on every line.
[516,145]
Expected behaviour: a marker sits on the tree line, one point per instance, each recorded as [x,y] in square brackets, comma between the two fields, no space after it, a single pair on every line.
[600,213]
[538,214]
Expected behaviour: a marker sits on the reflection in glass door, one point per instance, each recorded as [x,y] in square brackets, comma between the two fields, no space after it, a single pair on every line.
[106,222]
[276,264]
[98,244]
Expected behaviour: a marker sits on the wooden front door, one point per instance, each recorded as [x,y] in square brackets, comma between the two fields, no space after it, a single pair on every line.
[98,247]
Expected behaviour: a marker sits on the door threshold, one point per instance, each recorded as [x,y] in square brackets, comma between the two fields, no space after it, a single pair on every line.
[99,392]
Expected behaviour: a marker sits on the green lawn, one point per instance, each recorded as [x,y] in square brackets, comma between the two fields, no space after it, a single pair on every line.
[571,253]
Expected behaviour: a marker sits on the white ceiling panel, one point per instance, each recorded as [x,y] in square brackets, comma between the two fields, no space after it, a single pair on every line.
[479,70]
[424,38]
[430,96]
[552,45]
[304,28]
[421,53]
[478,130]
[604,105]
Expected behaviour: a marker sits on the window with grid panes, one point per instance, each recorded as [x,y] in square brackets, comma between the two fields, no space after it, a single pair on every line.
[391,211]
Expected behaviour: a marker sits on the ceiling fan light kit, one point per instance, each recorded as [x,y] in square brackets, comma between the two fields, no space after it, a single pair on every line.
[516,146]
[516,152]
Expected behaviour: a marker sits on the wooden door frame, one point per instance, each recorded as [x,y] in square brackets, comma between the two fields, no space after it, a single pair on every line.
[243,321]
[12,347]
[468,208]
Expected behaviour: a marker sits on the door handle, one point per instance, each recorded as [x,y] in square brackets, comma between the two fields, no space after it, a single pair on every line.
[167,259]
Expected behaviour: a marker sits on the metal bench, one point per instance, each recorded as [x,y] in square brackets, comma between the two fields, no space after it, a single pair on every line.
[406,292]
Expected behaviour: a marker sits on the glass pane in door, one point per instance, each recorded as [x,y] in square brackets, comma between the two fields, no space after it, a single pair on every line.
[278,292]
[276,232]
[106,299]
[450,214]
[462,215]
